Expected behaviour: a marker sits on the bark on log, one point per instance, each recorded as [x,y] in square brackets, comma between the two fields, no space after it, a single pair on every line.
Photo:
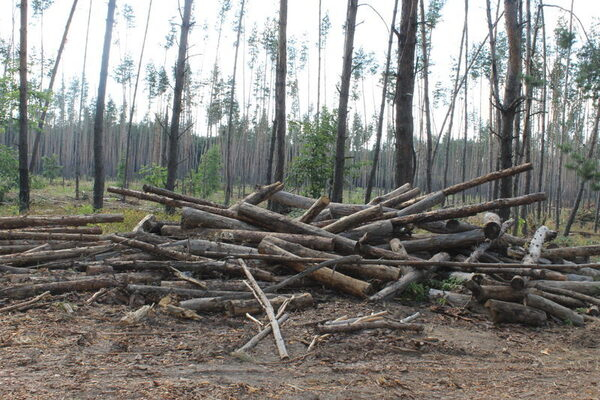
[160,291]
[396,192]
[449,241]
[563,313]
[572,252]
[261,194]
[86,230]
[280,223]
[492,176]
[353,327]
[589,288]
[450,226]
[412,276]
[155,250]
[30,258]
[314,210]
[569,293]
[325,275]
[356,219]
[82,285]
[200,247]
[504,293]
[178,196]
[261,335]
[566,301]
[399,200]
[65,220]
[146,224]
[502,311]
[193,218]
[27,235]
[469,210]
[491,225]
[240,236]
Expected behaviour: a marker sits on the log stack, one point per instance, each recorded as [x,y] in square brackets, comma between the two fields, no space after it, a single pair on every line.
[371,251]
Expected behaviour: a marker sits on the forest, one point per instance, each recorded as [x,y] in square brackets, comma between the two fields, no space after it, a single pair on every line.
[270,104]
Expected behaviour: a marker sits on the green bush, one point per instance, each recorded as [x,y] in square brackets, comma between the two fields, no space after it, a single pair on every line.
[207,179]
[9,170]
[51,169]
[154,175]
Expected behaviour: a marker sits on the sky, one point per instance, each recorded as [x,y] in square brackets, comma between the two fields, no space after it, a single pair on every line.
[371,35]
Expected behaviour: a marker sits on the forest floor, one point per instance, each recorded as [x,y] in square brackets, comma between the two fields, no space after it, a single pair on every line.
[48,353]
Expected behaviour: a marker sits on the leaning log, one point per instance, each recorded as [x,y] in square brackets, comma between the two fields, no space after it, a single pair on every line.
[354,220]
[240,236]
[178,196]
[502,311]
[65,220]
[314,210]
[155,250]
[396,192]
[563,313]
[261,194]
[193,218]
[325,275]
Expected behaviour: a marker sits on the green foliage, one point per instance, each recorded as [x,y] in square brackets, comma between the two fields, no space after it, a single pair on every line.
[588,68]
[51,169]
[416,291]
[207,179]
[9,170]
[587,168]
[446,285]
[121,172]
[313,168]
[154,175]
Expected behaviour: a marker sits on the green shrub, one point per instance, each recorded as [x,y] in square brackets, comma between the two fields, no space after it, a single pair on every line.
[154,175]
[51,169]
[9,170]
[207,179]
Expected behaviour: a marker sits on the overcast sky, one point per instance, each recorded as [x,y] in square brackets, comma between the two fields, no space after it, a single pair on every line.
[371,34]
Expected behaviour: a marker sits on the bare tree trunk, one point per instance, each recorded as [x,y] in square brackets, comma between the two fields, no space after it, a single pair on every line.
[177,94]
[23,120]
[228,177]
[36,142]
[592,147]
[280,94]
[82,92]
[379,133]
[466,111]
[405,87]
[99,119]
[340,143]
[319,66]
[544,105]
[131,111]
[511,96]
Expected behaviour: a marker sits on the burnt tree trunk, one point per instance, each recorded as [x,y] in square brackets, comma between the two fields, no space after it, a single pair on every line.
[23,121]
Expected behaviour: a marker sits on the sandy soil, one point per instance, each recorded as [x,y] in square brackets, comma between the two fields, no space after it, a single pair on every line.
[47,353]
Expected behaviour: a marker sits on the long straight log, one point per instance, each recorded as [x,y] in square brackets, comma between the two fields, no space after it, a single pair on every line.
[572,252]
[492,176]
[240,236]
[314,210]
[396,192]
[588,288]
[82,285]
[296,302]
[199,247]
[86,230]
[400,199]
[29,258]
[352,327]
[178,196]
[563,300]
[280,223]
[570,293]
[261,194]
[485,292]
[565,314]
[353,220]
[449,241]
[193,218]
[28,235]
[189,293]
[155,250]
[65,220]
[324,275]
[469,210]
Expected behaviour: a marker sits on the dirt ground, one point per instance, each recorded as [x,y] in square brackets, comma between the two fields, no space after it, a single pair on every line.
[47,353]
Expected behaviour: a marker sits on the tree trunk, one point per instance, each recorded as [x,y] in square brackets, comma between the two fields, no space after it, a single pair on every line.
[340,143]
[23,118]
[511,96]
[38,135]
[405,85]
[280,92]
[180,68]
[379,133]
[228,176]
[98,200]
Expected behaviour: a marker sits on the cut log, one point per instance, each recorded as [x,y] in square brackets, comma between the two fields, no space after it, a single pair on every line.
[491,225]
[200,247]
[502,311]
[589,288]
[396,192]
[178,196]
[314,210]
[399,200]
[155,250]
[412,276]
[146,224]
[535,246]
[450,226]
[504,293]
[572,252]
[570,293]
[353,327]
[65,220]
[82,285]
[49,236]
[566,301]
[261,194]
[239,236]
[449,241]
[483,247]
[261,335]
[86,230]
[160,291]
[563,313]
[40,256]
[193,218]
[280,223]
[492,176]
[354,220]
[469,210]
[325,275]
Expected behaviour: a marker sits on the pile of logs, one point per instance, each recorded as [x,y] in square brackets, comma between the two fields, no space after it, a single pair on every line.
[246,259]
